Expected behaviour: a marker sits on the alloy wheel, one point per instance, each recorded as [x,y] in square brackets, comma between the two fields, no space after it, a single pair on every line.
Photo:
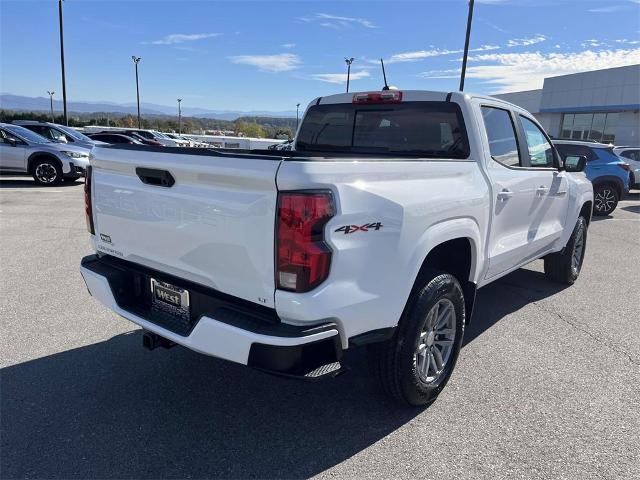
[436,341]
[46,173]
[578,251]
[605,200]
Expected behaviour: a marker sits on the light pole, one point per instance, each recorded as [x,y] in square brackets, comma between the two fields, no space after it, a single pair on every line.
[64,83]
[348,61]
[179,118]
[51,93]
[297,115]
[136,60]
[466,46]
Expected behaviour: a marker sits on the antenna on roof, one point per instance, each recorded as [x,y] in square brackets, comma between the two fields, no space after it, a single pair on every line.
[384,75]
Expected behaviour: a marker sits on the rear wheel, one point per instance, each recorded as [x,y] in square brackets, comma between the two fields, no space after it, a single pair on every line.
[565,266]
[47,172]
[605,197]
[415,364]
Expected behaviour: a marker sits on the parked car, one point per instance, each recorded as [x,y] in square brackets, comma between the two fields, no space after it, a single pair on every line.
[57,133]
[182,141]
[23,151]
[146,141]
[153,135]
[608,173]
[287,145]
[631,155]
[377,229]
[112,138]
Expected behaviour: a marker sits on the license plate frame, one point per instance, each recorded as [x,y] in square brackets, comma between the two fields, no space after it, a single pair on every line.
[170,299]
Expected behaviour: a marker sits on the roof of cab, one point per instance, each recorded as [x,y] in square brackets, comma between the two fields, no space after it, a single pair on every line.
[414,96]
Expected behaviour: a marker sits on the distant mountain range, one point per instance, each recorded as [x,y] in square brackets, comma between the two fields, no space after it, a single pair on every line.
[41,104]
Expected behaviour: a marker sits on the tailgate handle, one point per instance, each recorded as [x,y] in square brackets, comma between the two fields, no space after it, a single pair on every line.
[151,176]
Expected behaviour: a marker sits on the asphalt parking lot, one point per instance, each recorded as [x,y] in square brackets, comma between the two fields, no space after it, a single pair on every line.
[547,385]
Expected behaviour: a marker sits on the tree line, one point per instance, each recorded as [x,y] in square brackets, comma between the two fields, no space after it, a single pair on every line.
[249,126]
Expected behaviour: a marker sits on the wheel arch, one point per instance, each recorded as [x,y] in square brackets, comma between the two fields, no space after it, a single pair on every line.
[610,179]
[34,157]
[454,247]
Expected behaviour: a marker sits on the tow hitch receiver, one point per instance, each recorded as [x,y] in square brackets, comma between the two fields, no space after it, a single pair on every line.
[151,341]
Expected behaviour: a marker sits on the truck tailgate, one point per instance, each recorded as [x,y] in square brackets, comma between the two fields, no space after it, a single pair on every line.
[213,226]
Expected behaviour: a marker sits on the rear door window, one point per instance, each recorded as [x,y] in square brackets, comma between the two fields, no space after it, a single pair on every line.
[631,154]
[421,129]
[501,133]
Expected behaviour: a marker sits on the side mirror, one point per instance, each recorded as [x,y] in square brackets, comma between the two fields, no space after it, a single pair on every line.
[574,163]
[12,141]
[63,139]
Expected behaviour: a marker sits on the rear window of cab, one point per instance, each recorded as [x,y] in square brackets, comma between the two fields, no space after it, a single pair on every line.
[412,129]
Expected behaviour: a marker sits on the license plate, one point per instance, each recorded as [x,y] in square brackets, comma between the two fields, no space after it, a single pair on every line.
[169,298]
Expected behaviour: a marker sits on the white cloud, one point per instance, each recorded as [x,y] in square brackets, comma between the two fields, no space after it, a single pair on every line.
[288,45]
[510,72]
[340,77]
[441,74]
[522,42]
[182,37]
[433,52]
[592,42]
[610,9]
[336,21]
[269,63]
[626,41]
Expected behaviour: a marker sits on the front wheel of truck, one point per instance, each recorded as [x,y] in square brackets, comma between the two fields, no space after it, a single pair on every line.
[565,266]
[415,364]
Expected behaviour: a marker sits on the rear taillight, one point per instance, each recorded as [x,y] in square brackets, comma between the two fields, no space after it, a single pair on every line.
[625,166]
[386,96]
[88,210]
[303,258]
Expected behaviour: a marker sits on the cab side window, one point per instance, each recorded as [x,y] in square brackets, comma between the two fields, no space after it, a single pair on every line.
[503,143]
[540,150]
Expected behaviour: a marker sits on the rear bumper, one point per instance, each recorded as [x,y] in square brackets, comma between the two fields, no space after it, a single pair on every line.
[224,331]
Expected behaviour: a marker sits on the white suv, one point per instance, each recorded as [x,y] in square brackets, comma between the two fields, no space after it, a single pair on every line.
[631,155]
[23,151]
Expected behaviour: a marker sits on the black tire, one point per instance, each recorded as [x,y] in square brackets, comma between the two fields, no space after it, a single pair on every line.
[565,266]
[605,199]
[395,361]
[46,172]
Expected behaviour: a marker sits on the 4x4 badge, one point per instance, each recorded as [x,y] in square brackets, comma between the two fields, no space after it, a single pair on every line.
[359,228]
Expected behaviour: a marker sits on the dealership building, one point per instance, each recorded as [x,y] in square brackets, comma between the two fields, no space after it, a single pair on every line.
[602,105]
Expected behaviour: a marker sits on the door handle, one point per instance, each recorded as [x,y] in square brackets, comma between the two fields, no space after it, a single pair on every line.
[505,195]
[542,190]
[152,176]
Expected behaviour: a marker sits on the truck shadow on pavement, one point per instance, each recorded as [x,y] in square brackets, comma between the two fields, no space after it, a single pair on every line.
[114,410]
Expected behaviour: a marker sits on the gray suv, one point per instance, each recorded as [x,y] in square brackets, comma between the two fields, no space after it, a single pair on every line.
[58,133]
[22,151]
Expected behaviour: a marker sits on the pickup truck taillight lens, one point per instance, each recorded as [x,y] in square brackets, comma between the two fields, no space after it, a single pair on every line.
[303,257]
[88,210]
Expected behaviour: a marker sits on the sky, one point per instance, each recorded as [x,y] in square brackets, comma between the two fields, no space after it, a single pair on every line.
[270,55]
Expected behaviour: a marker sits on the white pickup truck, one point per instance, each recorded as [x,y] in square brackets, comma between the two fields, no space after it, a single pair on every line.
[377,229]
